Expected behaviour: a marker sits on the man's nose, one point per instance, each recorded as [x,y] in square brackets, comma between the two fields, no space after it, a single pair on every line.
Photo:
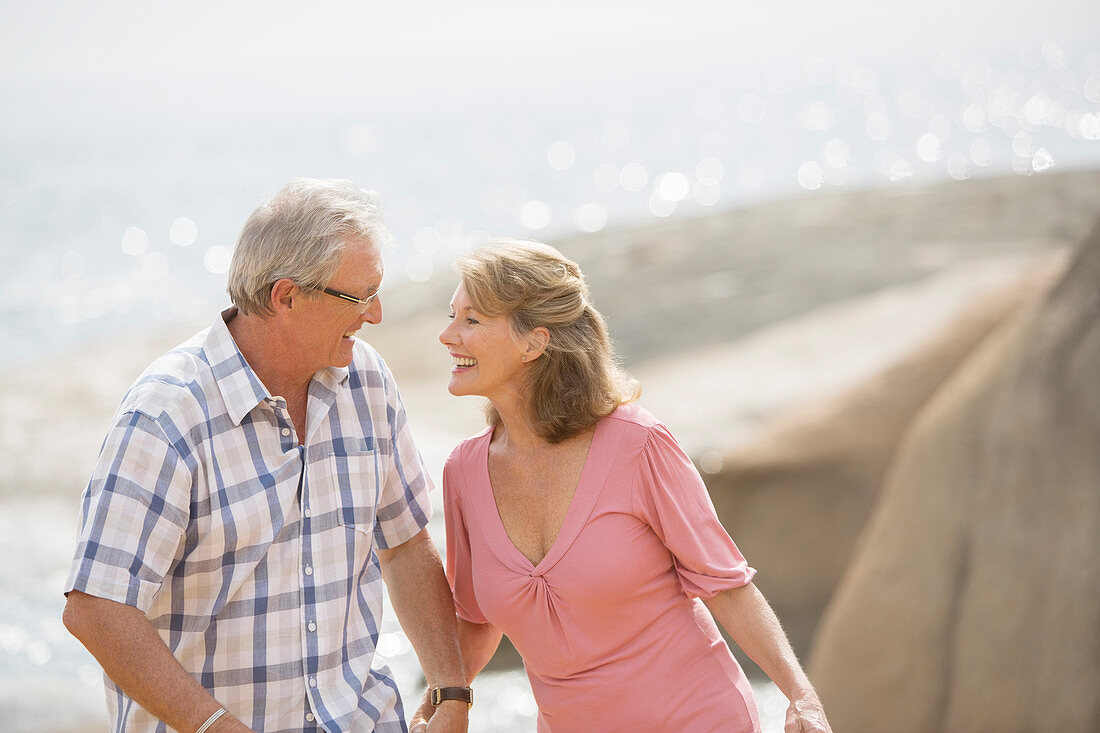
[373,313]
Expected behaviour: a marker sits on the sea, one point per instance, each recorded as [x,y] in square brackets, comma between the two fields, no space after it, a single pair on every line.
[121,196]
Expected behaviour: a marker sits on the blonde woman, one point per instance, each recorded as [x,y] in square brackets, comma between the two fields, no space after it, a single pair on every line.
[577,525]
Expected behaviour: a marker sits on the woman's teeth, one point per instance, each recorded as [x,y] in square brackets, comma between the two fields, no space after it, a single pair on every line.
[464,361]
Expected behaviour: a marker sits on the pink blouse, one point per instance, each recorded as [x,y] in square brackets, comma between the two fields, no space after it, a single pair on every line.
[610,625]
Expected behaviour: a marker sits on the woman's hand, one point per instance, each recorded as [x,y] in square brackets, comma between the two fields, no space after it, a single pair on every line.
[423,714]
[806,715]
[450,716]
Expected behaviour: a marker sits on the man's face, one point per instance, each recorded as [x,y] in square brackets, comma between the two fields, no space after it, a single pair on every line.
[326,326]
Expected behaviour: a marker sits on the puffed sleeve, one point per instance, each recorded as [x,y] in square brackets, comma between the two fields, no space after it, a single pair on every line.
[459,561]
[669,495]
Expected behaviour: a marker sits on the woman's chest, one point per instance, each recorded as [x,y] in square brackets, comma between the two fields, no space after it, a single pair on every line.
[533,500]
[611,558]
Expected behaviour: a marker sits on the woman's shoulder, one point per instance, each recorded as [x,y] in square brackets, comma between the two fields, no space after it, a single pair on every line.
[469,449]
[635,415]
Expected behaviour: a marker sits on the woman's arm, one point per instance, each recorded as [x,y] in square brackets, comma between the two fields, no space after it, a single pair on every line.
[477,643]
[745,614]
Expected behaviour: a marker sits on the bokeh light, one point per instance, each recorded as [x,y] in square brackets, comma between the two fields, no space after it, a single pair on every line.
[673,186]
[183,232]
[216,259]
[591,218]
[811,175]
[135,241]
[561,155]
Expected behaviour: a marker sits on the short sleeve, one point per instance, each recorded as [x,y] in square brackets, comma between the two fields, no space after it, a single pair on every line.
[459,558]
[134,512]
[404,506]
[669,495]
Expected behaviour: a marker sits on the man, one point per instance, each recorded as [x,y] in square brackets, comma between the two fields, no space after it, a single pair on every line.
[258,485]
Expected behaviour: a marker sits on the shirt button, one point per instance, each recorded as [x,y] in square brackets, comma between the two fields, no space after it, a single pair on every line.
[286,431]
[312,626]
[308,512]
[312,681]
[309,570]
[310,718]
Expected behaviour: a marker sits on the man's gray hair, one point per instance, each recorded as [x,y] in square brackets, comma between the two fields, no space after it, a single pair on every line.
[299,233]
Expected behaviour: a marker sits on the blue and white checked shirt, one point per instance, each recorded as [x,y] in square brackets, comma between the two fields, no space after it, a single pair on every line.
[252,556]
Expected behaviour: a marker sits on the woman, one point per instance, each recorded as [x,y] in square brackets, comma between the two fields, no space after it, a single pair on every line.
[577,525]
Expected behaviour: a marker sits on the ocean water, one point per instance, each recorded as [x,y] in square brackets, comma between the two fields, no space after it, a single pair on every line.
[120,204]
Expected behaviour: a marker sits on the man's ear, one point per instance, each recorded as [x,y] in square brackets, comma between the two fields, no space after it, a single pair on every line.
[283,294]
[537,339]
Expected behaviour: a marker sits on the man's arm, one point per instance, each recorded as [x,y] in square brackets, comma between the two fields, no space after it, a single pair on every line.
[478,643]
[422,600]
[132,654]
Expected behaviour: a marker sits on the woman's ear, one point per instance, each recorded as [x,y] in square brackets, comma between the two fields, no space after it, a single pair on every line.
[537,339]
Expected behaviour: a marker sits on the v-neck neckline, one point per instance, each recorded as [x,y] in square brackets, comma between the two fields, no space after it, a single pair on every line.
[593,475]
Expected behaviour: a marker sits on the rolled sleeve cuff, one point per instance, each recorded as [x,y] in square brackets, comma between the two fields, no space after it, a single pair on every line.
[708,586]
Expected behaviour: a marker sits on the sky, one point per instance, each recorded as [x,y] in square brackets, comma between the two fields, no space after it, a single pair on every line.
[415,48]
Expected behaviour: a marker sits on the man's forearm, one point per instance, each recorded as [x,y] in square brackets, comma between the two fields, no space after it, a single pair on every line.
[134,656]
[422,600]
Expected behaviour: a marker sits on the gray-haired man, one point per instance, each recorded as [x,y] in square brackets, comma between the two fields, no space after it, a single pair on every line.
[258,485]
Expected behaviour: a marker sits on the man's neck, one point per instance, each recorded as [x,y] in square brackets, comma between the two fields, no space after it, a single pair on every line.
[266,350]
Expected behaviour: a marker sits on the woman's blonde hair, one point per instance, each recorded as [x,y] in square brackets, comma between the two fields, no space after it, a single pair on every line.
[576,380]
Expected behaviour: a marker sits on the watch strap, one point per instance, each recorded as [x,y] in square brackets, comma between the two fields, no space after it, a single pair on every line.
[462,694]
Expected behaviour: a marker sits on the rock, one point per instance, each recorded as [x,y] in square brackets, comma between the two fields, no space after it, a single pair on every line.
[972,602]
[796,498]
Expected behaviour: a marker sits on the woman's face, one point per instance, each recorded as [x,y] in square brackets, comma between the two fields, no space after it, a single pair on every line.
[487,359]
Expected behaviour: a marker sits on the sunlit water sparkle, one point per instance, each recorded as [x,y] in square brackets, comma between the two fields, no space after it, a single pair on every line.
[128,221]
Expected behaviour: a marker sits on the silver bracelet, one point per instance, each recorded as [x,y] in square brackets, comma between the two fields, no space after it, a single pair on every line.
[210,721]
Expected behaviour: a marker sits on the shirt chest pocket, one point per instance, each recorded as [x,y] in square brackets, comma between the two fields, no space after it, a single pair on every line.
[344,492]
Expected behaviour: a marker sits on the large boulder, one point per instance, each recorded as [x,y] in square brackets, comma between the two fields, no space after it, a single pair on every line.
[797,496]
[972,602]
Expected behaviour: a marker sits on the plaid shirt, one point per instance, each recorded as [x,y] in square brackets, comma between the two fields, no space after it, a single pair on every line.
[252,556]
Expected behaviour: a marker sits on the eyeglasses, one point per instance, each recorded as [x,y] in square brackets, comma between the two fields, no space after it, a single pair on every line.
[363,303]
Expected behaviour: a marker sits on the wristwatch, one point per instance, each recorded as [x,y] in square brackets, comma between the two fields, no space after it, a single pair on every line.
[464,694]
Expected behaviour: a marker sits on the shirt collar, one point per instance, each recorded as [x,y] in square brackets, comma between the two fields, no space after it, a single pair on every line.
[240,387]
